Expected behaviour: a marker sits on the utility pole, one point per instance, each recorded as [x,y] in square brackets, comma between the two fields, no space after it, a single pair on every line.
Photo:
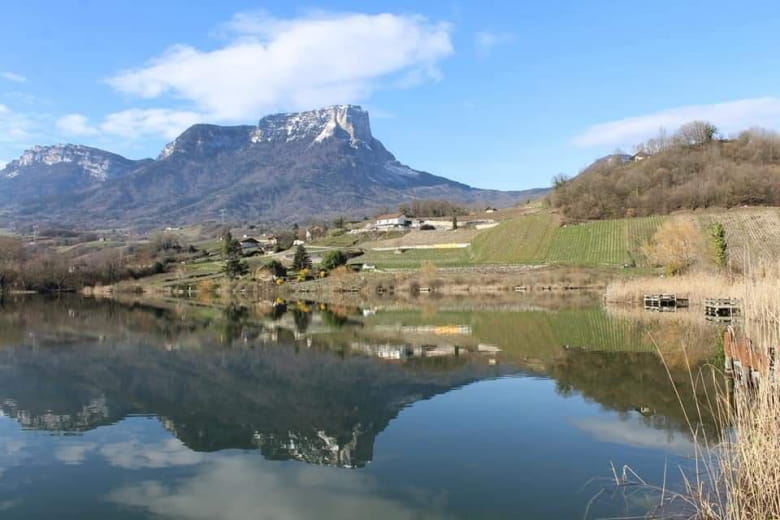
[222,216]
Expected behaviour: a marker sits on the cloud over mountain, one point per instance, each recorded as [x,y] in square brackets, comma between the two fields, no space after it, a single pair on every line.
[273,63]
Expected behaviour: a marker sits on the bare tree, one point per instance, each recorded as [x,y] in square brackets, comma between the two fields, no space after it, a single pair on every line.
[696,132]
[11,259]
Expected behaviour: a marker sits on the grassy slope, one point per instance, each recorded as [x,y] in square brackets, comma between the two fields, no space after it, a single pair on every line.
[413,258]
[535,239]
[538,239]
[605,242]
[523,240]
[752,234]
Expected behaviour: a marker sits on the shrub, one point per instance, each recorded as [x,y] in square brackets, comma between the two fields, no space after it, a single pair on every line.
[333,259]
[718,235]
[277,268]
[301,260]
[676,246]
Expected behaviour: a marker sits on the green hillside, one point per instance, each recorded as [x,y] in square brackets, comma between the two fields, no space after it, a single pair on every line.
[752,234]
[604,242]
[522,240]
[536,239]
[413,258]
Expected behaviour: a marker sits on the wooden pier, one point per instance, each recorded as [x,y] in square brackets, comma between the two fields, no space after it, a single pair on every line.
[745,363]
[664,302]
[722,309]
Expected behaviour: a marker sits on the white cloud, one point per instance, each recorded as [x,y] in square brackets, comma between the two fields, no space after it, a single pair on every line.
[135,455]
[233,488]
[486,41]
[729,117]
[132,123]
[75,124]
[137,122]
[14,446]
[633,433]
[12,76]
[272,64]
[74,453]
[17,127]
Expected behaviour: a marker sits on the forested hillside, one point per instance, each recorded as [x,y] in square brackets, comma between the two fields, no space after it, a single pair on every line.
[691,169]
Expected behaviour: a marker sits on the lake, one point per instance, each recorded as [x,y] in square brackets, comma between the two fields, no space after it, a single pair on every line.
[185,409]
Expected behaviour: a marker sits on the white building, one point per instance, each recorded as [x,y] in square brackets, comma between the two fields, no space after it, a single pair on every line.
[391,220]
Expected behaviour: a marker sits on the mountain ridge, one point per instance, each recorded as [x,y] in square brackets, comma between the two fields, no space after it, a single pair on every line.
[288,167]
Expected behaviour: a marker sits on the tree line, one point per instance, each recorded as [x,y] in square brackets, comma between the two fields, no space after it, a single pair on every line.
[45,267]
[693,168]
[428,208]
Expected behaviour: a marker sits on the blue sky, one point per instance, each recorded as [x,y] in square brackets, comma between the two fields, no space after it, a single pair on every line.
[501,94]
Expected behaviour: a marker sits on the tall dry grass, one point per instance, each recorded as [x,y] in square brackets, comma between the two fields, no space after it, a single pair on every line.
[697,287]
[737,476]
[750,456]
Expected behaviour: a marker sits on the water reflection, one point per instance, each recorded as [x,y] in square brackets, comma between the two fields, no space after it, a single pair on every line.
[315,383]
[301,381]
[236,488]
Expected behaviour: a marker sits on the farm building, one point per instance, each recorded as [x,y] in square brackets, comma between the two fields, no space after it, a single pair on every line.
[391,220]
[249,243]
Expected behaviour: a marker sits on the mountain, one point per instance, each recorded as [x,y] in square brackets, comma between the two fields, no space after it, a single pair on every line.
[46,171]
[288,167]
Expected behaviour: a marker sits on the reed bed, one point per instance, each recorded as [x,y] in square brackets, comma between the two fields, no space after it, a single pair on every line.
[696,287]
[736,474]
[750,456]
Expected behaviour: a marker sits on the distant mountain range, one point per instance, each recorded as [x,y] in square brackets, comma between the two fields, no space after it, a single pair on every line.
[289,167]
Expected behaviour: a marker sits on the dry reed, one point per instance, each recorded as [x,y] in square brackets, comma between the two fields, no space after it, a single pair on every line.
[750,456]
[737,475]
[697,287]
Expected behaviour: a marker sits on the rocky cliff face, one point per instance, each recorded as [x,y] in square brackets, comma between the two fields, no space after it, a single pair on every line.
[347,122]
[96,164]
[58,172]
[204,141]
[286,168]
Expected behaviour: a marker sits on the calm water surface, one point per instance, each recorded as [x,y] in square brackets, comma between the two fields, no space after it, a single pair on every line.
[305,410]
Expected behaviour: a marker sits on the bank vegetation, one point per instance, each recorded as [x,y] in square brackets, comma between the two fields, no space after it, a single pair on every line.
[691,169]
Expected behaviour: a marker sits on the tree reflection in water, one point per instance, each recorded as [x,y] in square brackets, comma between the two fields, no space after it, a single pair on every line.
[73,364]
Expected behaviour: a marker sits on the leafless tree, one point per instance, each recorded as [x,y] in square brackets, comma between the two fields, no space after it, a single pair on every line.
[696,133]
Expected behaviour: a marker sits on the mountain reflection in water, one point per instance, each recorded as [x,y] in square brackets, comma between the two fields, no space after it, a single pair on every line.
[187,410]
[302,381]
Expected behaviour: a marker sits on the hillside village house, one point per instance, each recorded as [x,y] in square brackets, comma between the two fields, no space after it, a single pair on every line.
[248,242]
[269,240]
[391,220]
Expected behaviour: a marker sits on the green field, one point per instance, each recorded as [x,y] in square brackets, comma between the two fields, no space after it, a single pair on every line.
[523,240]
[604,242]
[536,239]
[338,240]
[413,258]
